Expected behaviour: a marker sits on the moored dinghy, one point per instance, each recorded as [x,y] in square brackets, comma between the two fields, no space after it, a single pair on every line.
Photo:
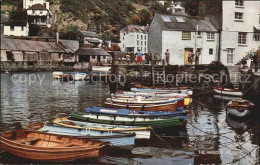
[46,147]
[140,132]
[228,91]
[239,108]
[124,141]
[154,122]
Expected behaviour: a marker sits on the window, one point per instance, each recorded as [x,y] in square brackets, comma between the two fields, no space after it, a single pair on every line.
[33,11]
[124,34]
[137,42]
[238,16]
[41,12]
[186,35]
[242,38]
[230,54]
[166,19]
[257,36]
[137,36]
[141,49]
[141,37]
[145,49]
[210,51]
[22,28]
[179,19]
[11,28]
[145,43]
[198,34]
[141,43]
[123,38]
[145,37]
[123,45]
[239,3]
[210,36]
[43,20]
[104,57]
[93,57]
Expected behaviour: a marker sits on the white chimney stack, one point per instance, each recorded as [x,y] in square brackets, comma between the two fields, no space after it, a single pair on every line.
[57,37]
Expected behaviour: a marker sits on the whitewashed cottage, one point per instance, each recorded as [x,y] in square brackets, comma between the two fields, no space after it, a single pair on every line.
[16,28]
[134,37]
[183,35]
[239,26]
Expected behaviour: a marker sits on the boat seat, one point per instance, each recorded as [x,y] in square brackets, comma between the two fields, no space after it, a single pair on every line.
[27,140]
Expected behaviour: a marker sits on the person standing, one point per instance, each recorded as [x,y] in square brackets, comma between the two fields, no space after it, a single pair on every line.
[132,57]
[139,57]
[167,56]
[197,58]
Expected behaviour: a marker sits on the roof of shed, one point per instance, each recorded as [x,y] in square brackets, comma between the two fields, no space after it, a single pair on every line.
[12,22]
[89,34]
[27,45]
[73,45]
[187,23]
[92,51]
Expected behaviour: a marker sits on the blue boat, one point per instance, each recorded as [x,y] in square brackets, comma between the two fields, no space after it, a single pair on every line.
[127,112]
[117,140]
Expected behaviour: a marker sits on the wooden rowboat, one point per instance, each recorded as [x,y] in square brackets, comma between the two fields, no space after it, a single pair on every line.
[239,108]
[46,147]
[228,91]
[184,91]
[154,122]
[142,107]
[125,141]
[127,112]
[140,132]
[143,100]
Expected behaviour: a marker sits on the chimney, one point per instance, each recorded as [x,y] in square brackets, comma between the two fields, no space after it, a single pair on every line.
[57,37]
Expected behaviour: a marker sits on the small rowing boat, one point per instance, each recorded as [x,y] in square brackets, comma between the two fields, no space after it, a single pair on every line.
[101,68]
[239,108]
[127,112]
[171,106]
[124,141]
[228,91]
[57,74]
[154,122]
[78,76]
[46,147]
[184,91]
[140,132]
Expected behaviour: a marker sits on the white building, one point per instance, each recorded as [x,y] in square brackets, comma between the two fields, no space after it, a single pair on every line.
[38,12]
[183,35]
[16,28]
[239,25]
[133,38]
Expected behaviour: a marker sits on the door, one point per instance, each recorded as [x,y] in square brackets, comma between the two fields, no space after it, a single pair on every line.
[186,55]
[98,58]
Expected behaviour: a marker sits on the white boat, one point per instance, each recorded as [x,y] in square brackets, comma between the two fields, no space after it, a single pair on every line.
[228,91]
[142,100]
[78,76]
[225,97]
[239,108]
[57,74]
[101,68]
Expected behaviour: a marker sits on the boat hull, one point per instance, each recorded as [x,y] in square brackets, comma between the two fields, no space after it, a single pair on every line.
[140,132]
[143,107]
[226,91]
[51,154]
[154,123]
[236,113]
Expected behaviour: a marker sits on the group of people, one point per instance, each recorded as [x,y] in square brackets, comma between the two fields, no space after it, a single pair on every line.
[138,57]
[193,58]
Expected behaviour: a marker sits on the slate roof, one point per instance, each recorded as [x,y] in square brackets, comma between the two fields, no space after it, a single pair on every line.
[92,51]
[16,23]
[93,40]
[71,45]
[27,45]
[37,6]
[89,34]
[190,23]
[135,28]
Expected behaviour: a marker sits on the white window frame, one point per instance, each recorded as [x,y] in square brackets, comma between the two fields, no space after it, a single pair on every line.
[230,56]
[210,36]
[186,35]
[239,3]
[242,38]
[239,16]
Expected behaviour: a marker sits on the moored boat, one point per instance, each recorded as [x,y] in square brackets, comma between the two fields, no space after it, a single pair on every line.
[140,132]
[124,141]
[154,122]
[78,76]
[171,106]
[239,108]
[184,91]
[101,68]
[57,74]
[127,112]
[46,147]
[228,91]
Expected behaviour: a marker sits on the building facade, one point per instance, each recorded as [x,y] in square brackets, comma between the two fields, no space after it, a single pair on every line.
[184,36]
[133,38]
[238,22]
[16,28]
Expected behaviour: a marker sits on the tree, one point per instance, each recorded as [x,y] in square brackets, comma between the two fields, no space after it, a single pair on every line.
[33,29]
[191,7]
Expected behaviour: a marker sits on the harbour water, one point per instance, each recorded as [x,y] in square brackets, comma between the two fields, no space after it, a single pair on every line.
[211,137]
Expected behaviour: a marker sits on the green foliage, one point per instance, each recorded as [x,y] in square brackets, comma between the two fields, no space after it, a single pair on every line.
[191,7]
[70,32]
[18,14]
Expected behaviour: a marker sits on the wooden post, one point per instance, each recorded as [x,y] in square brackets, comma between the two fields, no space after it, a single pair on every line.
[152,71]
